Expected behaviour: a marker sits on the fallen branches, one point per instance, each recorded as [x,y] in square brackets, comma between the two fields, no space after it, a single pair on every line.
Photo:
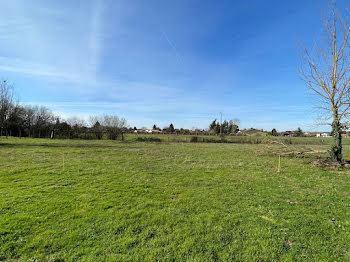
[301,153]
[330,164]
[269,141]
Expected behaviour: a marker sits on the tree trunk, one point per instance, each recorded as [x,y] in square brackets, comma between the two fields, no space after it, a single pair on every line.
[336,151]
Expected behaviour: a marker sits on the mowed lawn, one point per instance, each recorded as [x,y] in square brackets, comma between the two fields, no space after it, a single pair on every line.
[139,201]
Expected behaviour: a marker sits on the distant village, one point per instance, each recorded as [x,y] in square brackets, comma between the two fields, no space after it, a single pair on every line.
[243,132]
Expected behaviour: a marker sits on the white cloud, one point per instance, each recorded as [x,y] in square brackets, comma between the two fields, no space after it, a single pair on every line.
[95,56]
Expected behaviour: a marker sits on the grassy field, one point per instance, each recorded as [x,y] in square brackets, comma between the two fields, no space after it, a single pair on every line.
[237,139]
[136,201]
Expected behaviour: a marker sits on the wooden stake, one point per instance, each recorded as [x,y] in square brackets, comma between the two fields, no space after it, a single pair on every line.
[62,161]
[279,164]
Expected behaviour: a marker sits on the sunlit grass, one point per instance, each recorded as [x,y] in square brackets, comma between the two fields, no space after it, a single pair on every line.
[168,202]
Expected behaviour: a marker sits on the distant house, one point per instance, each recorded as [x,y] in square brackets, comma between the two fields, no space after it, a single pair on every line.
[240,133]
[156,131]
[314,134]
[317,134]
[141,131]
[288,133]
[148,131]
[311,134]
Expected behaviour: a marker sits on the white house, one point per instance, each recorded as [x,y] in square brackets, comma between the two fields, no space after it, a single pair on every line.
[325,135]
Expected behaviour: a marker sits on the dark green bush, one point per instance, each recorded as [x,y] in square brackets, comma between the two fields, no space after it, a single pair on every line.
[148,139]
[194,139]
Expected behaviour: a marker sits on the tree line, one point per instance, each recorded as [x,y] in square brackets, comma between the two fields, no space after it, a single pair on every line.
[20,120]
[39,122]
[226,127]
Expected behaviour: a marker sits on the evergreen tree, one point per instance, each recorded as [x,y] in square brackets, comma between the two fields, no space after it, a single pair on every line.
[274,132]
[171,128]
[299,132]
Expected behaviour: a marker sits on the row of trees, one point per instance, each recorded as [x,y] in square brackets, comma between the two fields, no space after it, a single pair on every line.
[179,131]
[38,121]
[170,129]
[226,127]
[298,133]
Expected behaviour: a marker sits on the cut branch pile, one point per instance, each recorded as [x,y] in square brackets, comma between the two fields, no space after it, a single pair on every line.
[288,150]
[302,153]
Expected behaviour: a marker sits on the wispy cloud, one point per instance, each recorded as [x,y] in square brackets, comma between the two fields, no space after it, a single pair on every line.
[95,35]
[31,68]
[51,40]
[155,61]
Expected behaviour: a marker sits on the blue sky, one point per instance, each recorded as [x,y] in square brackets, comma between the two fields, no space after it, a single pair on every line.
[180,62]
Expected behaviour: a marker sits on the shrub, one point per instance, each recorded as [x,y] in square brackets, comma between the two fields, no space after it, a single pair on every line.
[148,139]
[194,139]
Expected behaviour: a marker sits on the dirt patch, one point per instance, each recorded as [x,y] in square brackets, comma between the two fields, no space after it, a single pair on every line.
[330,164]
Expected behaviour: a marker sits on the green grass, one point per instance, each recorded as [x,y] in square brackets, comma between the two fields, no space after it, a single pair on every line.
[169,202]
[240,139]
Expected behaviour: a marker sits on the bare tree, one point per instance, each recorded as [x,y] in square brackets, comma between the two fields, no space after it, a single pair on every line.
[76,121]
[96,127]
[236,121]
[44,118]
[325,70]
[78,126]
[16,119]
[6,102]
[29,118]
[234,126]
[114,126]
